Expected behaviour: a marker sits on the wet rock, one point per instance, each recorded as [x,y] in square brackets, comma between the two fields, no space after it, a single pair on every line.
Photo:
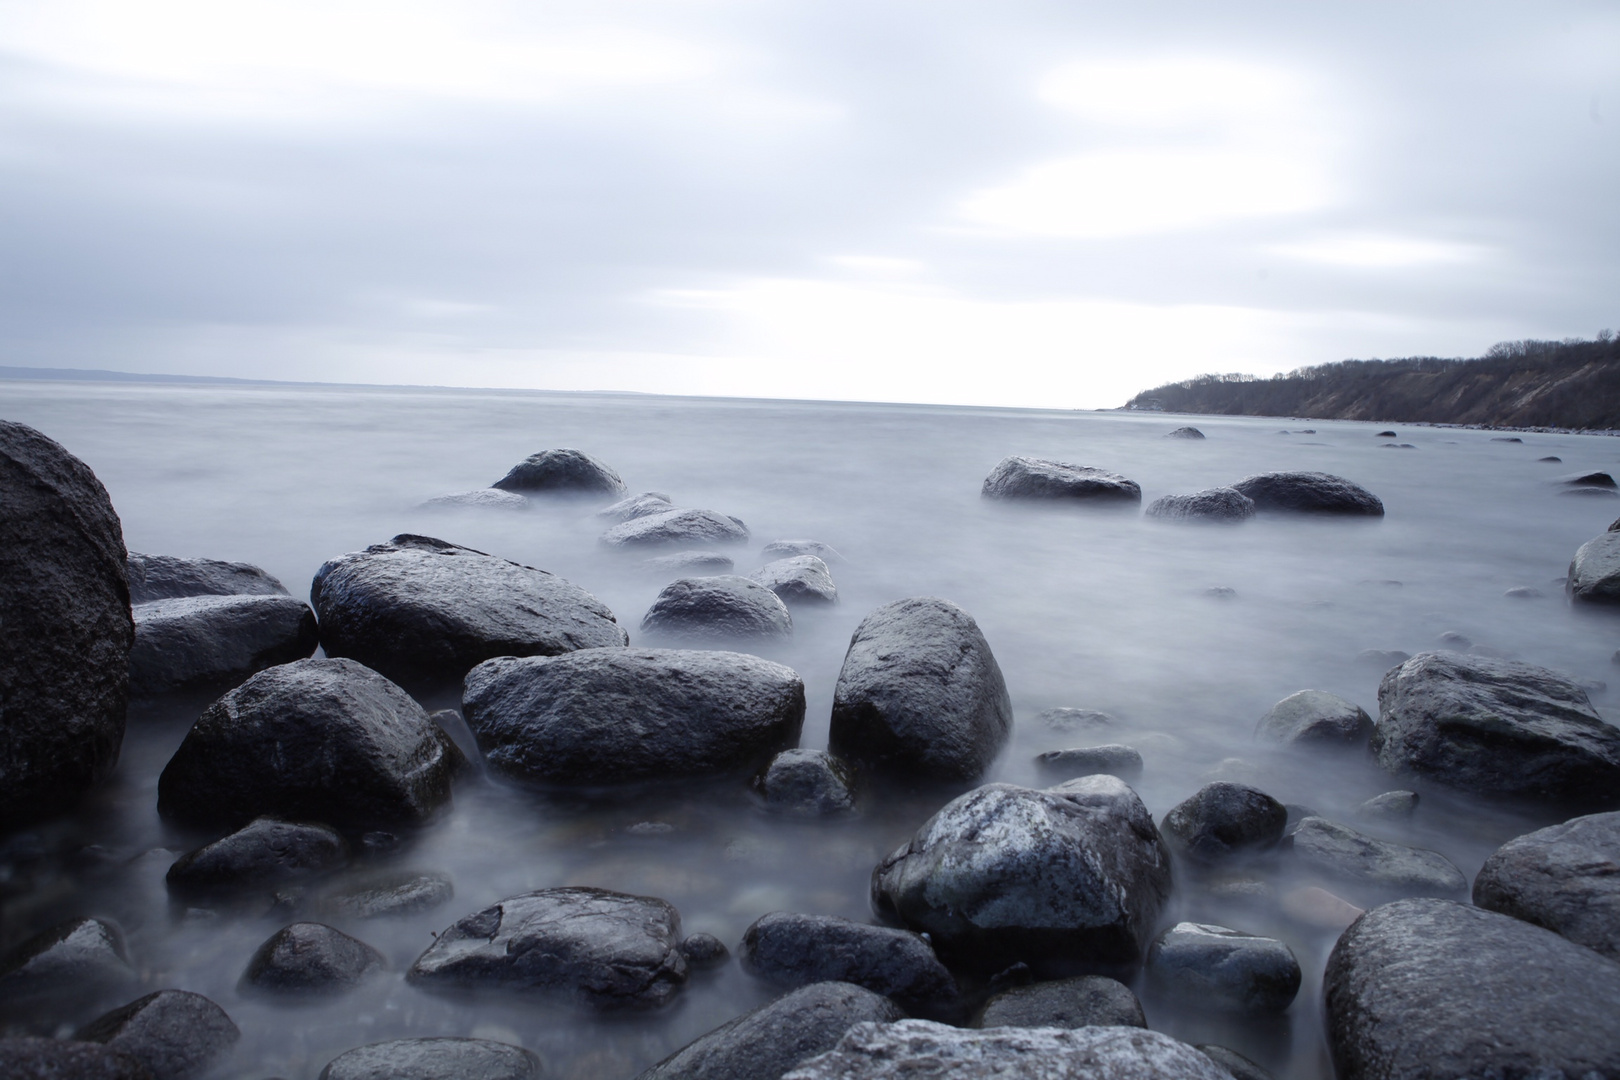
[1524,592]
[1384,658]
[201,641]
[1550,457]
[1235,1063]
[64,605]
[1438,989]
[1565,878]
[726,608]
[607,716]
[1216,967]
[917,1048]
[1069,719]
[787,549]
[1379,866]
[562,471]
[311,958]
[808,783]
[1591,479]
[434,1059]
[1022,477]
[704,951]
[165,577]
[1496,727]
[1594,575]
[264,851]
[688,563]
[602,949]
[1184,433]
[1223,818]
[798,579]
[774,1038]
[635,506]
[174,1033]
[315,740]
[1211,504]
[1083,1001]
[1114,758]
[677,526]
[797,950]
[1390,806]
[478,499]
[391,892]
[62,1059]
[1072,875]
[920,693]
[418,609]
[1386,435]
[1509,438]
[1309,492]
[1591,492]
[71,961]
[1318,718]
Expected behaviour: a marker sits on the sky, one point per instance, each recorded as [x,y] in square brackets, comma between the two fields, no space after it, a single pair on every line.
[994,203]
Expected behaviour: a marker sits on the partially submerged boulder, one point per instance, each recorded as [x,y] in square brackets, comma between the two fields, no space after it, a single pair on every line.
[787,549]
[724,608]
[175,1033]
[1021,477]
[1083,1001]
[798,579]
[1184,433]
[212,641]
[1219,504]
[688,563]
[806,783]
[1564,877]
[797,950]
[676,526]
[262,852]
[1310,493]
[434,1059]
[1219,968]
[634,506]
[1316,718]
[562,472]
[390,892]
[1116,759]
[73,961]
[478,499]
[165,577]
[1594,574]
[311,958]
[1223,818]
[1379,868]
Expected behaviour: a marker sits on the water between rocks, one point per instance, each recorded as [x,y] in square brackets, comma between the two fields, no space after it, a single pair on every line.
[1186,634]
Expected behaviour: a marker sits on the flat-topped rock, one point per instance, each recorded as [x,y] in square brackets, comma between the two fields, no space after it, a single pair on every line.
[798,579]
[787,549]
[676,526]
[1219,968]
[1594,574]
[1083,1001]
[1378,867]
[1564,877]
[164,577]
[1318,718]
[311,958]
[175,1033]
[263,851]
[1310,493]
[562,472]
[797,950]
[434,1059]
[1212,504]
[211,641]
[1022,477]
[725,608]
[1223,818]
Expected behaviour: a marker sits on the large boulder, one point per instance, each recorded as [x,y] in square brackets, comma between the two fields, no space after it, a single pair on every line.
[1375,868]
[175,1033]
[1445,991]
[315,740]
[725,608]
[798,579]
[1496,727]
[67,1059]
[434,1059]
[562,472]
[920,693]
[65,628]
[599,948]
[1309,492]
[209,641]
[1083,1001]
[1594,574]
[311,958]
[1315,718]
[771,1040]
[166,577]
[797,950]
[676,526]
[419,609]
[1223,818]
[263,852]
[1212,504]
[1021,477]
[1564,877]
[1216,967]
[1057,879]
[607,716]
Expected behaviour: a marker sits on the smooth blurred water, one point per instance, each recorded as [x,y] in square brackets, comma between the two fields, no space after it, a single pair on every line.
[1083,607]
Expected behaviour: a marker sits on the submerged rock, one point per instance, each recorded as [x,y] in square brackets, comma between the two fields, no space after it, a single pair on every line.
[311,958]
[1309,492]
[635,506]
[1223,818]
[1379,866]
[1219,968]
[1594,575]
[1083,1001]
[798,950]
[787,549]
[687,563]
[920,693]
[1390,806]
[1071,719]
[563,471]
[165,577]
[727,607]
[1212,504]
[1564,877]
[1591,479]
[1384,658]
[1318,718]
[71,961]
[391,892]
[65,1059]
[798,579]
[1036,478]
[200,641]
[1235,1063]
[174,1033]
[809,783]
[676,526]
[1114,758]
[1184,433]
[434,1059]
[479,499]
[264,851]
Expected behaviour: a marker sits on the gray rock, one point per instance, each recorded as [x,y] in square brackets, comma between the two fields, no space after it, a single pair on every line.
[1439,989]
[607,716]
[1452,639]
[1318,718]
[478,499]
[688,563]
[418,609]
[798,579]
[311,958]
[1524,592]
[676,526]
[1309,492]
[174,1033]
[64,604]
[726,608]
[1114,758]
[918,1048]
[1216,967]
[391,892]
[1550,457]
[1221,504]
[63,1059]
[212,641]
[787,549]
[1235,1063]
[1378,866]
[1594,575]
[1390,806]
[1509,438]
[1496,727]
[774,1038]
[1591,479]
[1068,719]
[1184,433]
[562,471]
[315,740]
[164,577]
[635,506]
[261,852]
[1072,875]
[808,783]
[73,961]
[1564,877]
[797,950]
[434,1059]
[1036,478]
[704,951]
[599,948]
[920,693]
[1083,1001]
[1223,818]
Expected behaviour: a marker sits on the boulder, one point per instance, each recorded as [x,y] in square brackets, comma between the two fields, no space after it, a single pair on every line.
[1212,504]
[315,740]
[1594,575]
[726,608]
[798,579]
[807,783]
[1219,968]
[1442,990]
[608,716]
[174,1033]
[918,1048]
[634,506]
[73,961]
[311,958]
[920,693]
[478,499]
[1309,492]
[434,1059]
[1036,478]
[599,948]
[390,892]
[1318,718]
[209,641]
[419,609]
[1083,1001]
[166,577]
[1591,479]
[676,526]
[1056,879]
[1114,758]
[1564,877]
[1378,866]
[1496,727]
[1184,433]
[774,1038]
[264,851]
[688,563]
[562,472]
[787,549]
[64,607]
[797,950]
[1223,818]
[65,1059]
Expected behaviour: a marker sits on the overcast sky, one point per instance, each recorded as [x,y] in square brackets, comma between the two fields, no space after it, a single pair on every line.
[1001,202]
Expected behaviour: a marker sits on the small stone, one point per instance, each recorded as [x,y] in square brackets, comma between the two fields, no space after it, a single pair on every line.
[809,783]
[1085,1001]
[1221,592]
[634,506]
[72,959]
[1225,969]
[1390,806]
[704,951]
[1223,818]
[1550,457]
[676,526]
[1119,760]
[1506,438]
[1386,435]
[727,607]
[311,958]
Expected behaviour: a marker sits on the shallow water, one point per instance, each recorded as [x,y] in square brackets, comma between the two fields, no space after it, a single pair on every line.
[1097,609]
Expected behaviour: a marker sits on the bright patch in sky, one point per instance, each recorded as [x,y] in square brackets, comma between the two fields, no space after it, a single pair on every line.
[1379,251]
